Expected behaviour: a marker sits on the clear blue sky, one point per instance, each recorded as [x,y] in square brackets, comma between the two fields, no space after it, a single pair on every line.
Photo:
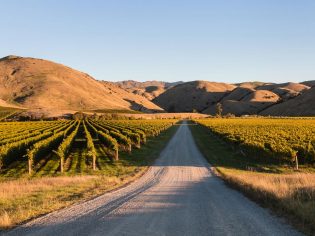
[170,40]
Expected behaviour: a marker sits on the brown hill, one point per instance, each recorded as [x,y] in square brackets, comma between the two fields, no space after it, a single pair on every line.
[290,86]
[302,105]
[285,90]
[6,104]
[42,85]
[35,83]
[240,99]
[237,108]
[148,89]
[261,96]
[238,93]
[196,95]
[251,85]
[310,83]
[244,101]
[245,98]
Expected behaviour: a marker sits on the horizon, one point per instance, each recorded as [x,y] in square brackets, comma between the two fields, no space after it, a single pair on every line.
[117,81]
[162,41]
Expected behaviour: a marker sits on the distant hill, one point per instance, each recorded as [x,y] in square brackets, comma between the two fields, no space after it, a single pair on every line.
[240,99]
[44,86]
[196,95]
[310,83]
[302,105]
[148,89]
[35,83]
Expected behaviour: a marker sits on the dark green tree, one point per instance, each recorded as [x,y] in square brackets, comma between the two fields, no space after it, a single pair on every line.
[219,110]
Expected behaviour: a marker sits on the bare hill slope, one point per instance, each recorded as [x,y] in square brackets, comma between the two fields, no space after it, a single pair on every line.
[302,105]
[198,95]
[240,99]
[35,83]
[148,89]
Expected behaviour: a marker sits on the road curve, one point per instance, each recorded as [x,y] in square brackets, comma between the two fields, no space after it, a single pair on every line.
[177,196]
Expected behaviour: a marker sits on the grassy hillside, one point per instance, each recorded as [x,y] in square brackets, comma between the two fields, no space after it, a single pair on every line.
[35,83]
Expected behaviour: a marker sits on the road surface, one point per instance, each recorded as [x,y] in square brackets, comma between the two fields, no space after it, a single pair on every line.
[177,196]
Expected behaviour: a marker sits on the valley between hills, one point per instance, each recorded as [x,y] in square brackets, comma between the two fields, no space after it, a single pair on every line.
[42,87]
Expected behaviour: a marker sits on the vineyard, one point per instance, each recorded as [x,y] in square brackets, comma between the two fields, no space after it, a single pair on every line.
[70,146]
[275,141]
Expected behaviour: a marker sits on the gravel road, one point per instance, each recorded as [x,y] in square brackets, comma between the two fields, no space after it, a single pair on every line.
[177,196]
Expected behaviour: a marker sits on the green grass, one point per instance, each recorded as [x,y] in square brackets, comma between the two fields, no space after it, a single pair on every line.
[17,169]
[50,166]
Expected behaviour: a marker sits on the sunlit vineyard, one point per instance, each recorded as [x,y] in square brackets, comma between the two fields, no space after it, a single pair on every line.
[70,146]
[278,141]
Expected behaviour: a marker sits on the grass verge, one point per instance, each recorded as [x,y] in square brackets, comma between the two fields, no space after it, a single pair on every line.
[26,198]
[288,193]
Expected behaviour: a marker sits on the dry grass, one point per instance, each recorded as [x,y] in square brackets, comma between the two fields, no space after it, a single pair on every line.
[57,87]
[5,220]
[21,187]
[289,194]
[23,199]
[300,186]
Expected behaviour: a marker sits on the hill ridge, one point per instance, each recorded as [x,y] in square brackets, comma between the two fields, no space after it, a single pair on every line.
[38,83]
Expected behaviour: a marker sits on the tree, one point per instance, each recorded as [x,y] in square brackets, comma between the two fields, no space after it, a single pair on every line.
[219,109]
[229,115]
[294,158]
[78,115]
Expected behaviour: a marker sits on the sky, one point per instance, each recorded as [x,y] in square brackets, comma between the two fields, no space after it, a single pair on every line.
[170,40]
